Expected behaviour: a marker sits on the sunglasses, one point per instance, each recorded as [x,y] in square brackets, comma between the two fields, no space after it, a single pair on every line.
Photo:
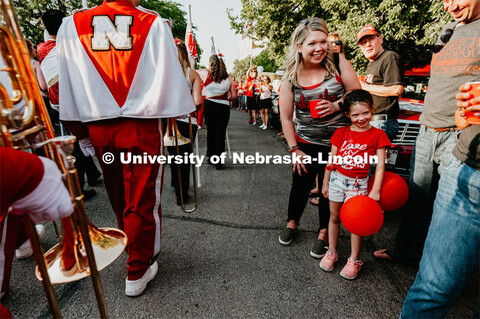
[338,42]
[306,21]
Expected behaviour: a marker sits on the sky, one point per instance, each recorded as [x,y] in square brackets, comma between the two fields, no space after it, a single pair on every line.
[210,18]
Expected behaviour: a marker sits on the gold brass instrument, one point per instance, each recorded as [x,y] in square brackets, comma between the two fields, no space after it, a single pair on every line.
[174,138]
[84,249]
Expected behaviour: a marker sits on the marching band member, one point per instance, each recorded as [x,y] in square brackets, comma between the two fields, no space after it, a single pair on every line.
[194,83]
[47,56]
[35,186]
[118,75]
[219,91]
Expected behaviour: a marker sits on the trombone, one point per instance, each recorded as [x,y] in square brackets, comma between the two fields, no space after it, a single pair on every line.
[173,137]
[84,249]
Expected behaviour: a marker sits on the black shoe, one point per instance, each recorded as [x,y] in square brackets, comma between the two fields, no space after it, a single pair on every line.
[92,181]
[219,166]
[87,194]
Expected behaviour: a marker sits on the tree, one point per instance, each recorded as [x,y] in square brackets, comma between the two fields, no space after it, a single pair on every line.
[30,12]
[273,20]
[240,68]
[172,11]
[29,15]
[264,59]
[409,27]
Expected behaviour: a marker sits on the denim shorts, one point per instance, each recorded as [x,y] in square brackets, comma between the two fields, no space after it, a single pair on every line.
[341,188]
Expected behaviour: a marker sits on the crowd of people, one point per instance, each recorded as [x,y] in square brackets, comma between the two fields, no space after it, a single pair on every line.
[254,95]
[324,107]
[440,279]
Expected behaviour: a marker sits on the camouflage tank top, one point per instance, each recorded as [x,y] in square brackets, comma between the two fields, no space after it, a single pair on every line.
[318,130]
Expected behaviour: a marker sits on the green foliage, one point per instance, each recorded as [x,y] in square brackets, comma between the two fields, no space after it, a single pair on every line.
[171,11]
[409,27]
[30,12]
[264,59]
[240,68]
[274,20]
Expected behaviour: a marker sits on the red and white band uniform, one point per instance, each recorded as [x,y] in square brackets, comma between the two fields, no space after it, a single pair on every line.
[47,56]
[118,74]
[30,184]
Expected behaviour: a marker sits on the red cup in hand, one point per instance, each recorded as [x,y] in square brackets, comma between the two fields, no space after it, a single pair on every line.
[475,92]
[313,111]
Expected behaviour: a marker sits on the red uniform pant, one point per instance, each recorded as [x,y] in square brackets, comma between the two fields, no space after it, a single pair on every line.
[200,116]
[133,189]
[12,235]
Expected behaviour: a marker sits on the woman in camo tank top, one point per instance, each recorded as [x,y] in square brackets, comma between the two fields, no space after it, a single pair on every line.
[313,74]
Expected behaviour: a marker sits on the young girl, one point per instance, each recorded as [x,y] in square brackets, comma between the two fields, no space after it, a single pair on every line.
[348,178]
[312,74]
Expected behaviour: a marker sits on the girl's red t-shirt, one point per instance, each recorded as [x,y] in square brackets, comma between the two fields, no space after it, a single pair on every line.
[355,149]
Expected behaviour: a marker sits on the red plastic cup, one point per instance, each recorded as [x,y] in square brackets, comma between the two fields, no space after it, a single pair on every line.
[313,112]
[475,91]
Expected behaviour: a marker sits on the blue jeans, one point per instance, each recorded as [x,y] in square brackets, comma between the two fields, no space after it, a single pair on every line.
[452,248]
[432,152]
[390,127]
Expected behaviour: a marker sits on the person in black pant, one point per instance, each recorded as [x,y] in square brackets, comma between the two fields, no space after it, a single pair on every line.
[219,89]
[194,82]
[183,150]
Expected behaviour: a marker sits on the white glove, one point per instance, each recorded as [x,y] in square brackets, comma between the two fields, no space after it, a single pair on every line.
[86,147]
[50,200]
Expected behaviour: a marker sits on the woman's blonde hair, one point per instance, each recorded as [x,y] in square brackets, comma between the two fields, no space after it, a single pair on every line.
[294,58]
[183,56]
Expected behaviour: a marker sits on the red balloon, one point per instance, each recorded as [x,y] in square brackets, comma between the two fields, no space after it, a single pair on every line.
[394,191]
[361,215]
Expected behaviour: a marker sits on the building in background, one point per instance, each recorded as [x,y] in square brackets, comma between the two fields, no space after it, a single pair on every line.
[248,47]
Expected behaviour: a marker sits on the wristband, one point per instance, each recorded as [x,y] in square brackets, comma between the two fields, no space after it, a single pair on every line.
[293,148]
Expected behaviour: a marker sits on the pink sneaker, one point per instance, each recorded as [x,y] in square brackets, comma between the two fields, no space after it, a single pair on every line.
[351,269]
[328,260]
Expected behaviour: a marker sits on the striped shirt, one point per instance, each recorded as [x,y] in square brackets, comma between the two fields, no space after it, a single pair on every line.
[318,130]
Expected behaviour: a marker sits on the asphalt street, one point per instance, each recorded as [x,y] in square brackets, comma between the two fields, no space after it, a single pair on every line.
[225,261]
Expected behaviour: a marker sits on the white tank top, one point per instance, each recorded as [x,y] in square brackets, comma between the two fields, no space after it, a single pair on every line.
[214,89]
[266,93]
[190,86]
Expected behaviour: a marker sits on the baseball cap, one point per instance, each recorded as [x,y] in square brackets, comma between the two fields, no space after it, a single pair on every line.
[366,30]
